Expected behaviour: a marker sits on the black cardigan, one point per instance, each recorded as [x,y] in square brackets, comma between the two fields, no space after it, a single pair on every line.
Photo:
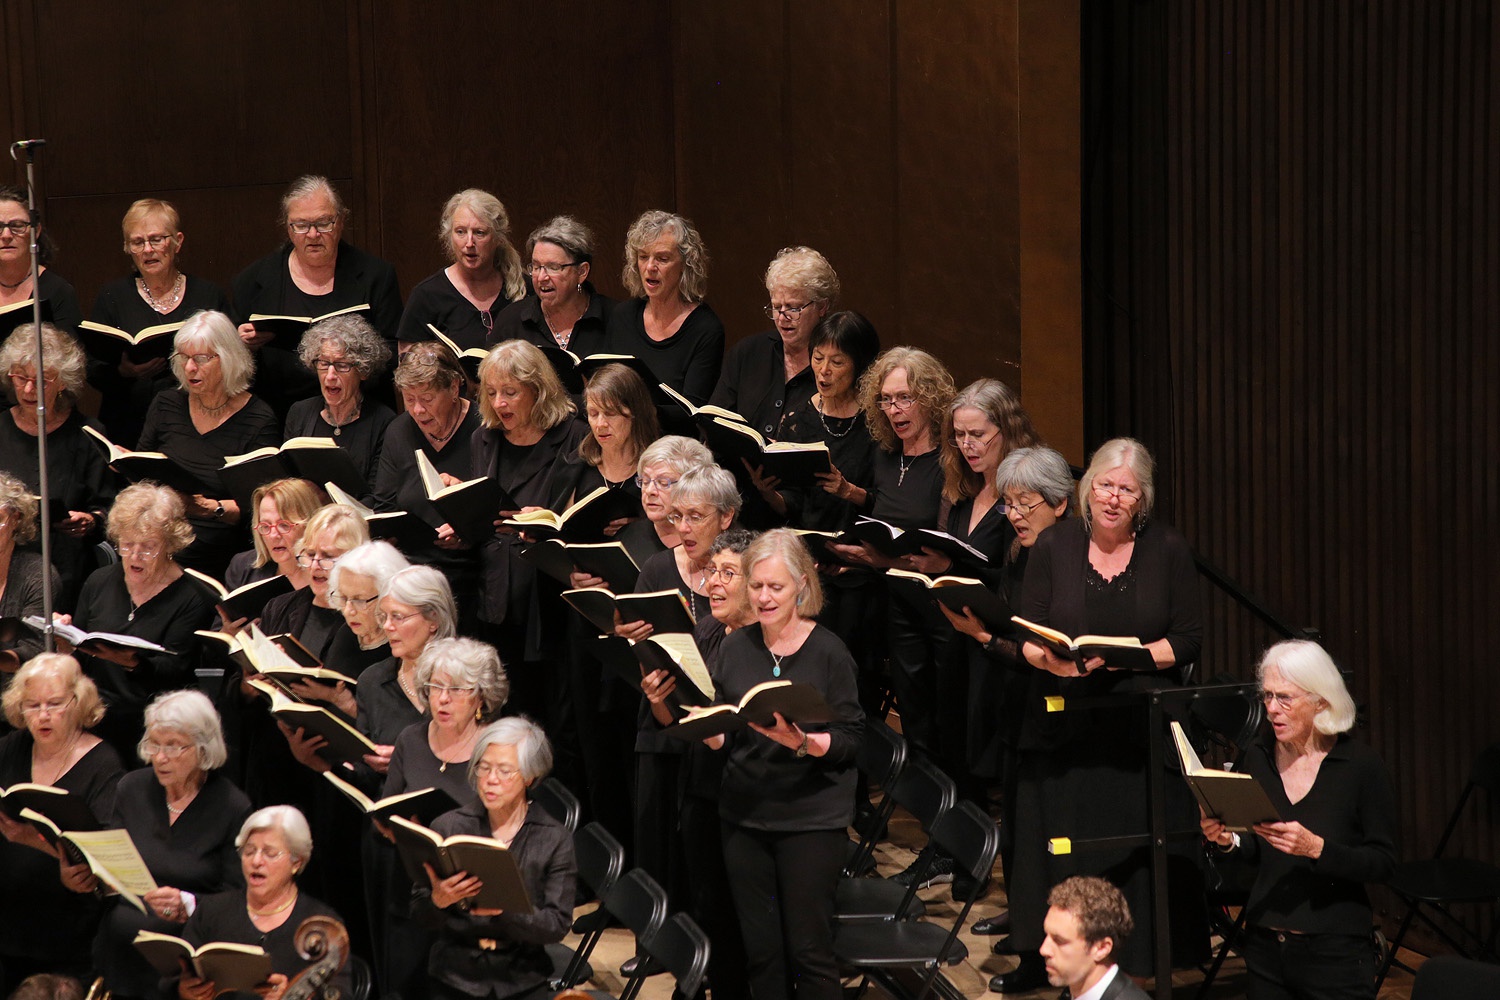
[755,386]
[523,320]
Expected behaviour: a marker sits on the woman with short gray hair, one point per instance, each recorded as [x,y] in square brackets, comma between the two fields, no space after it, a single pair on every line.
[183,816]
[563,310]
[479,952]
[209,417]
[344,353]
[80,481]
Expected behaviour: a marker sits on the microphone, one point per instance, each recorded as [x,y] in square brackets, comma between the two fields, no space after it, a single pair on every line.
[26,146]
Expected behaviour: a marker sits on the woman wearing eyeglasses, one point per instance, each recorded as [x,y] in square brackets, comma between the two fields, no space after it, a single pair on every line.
[345,353]
[314,273]
[906,395]
[209,417]
[79,481]
[1113,571]
[183,816]
[16,225]
[43,927]
[156,292]
[487,953]
[668,325]
[147,595]
[483,275]
[461,686]
[274,846]
[280,509]
[563,309]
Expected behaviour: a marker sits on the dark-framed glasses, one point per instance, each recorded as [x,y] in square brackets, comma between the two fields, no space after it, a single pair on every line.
[538,266]
[302,226]
[342,367]
[18,227]
[790,312]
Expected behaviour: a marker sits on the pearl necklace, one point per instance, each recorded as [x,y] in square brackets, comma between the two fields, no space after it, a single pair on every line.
[169,301]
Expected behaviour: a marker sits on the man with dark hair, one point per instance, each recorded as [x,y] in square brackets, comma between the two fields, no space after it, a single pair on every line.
[1087,918]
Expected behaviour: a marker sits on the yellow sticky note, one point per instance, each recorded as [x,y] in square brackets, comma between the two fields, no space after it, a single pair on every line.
[1056,703]
[1060,845]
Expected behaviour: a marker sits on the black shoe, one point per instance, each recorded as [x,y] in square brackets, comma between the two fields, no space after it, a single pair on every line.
[939,872]
[1030,975]
[998,924]
[639,965]
[1005,946]
[964,886]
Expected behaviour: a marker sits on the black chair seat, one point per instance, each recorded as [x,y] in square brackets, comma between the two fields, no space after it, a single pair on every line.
[1449,977]
[874,899]
[1453,880]
[893,944]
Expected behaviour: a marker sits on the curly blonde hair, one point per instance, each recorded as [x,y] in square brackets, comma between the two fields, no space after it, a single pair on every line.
[17,498]
[151,508]
[90,707]
[928,382]
[60,353]
[650,227]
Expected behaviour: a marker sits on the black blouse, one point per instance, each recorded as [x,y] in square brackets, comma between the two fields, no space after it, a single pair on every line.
[766,785]
[168,619]
[399,487]
[852,452]
[169,429]
[688,361]
[414,766]
[362,438]
[39,917]
[438,301]
[197,852]
[523,320]
[225,917]
[755,386]
[266,286]
[911,498]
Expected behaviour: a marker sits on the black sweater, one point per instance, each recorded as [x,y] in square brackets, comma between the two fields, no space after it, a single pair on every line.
[766,785]
[1352,806]
[688,361]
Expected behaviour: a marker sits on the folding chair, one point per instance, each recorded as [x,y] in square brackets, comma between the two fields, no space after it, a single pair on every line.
[906,957]
[882,755]
[927,793]
[1437,881]
[601,859]
[553,796]
[680,948]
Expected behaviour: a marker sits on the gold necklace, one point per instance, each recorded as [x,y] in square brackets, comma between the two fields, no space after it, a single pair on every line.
[63,755]
[275,909]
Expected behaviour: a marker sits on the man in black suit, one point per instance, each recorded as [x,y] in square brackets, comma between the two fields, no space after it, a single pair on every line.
[1086,919]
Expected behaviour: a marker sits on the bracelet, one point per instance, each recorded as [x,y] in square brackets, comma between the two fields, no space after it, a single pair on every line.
[802,747]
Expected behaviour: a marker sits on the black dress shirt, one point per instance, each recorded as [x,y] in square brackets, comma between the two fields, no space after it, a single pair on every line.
[523,320]
[543,851]
[755,386]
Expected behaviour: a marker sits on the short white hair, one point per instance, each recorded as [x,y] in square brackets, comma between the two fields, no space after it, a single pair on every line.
[217,332]
[427,590]
[470,663]
[193,715]
[378,560]
[1309,667]
[287,819]
[533,751]
[676,452]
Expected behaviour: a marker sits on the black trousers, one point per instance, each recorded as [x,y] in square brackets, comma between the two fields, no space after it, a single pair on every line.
[784,885]
[1309,966]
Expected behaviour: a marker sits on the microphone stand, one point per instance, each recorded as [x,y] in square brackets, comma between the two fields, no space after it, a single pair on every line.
[28,148]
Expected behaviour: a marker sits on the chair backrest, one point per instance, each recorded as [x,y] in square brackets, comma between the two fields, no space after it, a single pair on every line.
[882,754]
[1484,774]
[361,982]
[1231,720]
[553,796]
[1449,977]
[924,791]
[970,838]
[682,948]
[600,858]
[638,903]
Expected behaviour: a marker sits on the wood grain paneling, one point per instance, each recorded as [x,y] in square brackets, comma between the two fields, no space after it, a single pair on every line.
[1293,227]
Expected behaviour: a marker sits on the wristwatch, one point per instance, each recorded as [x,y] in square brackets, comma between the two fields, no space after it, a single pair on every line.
[802,747]
[219,510]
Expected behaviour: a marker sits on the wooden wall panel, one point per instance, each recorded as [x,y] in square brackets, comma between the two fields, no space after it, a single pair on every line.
[1295,224]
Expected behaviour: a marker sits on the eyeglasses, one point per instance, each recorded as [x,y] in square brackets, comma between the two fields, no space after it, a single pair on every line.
[1124,494]
[18,375]
[790,312]
[171,751]
[342,367]
[396,618]
[431,691]
[660,482]
[901,402]
[302,227]
[19,227]
[54,707]
[138,550]
[138,244]
[1281,698]
[307,560]
[270,854]
[487,321]
[552,269]
[280,527]
[504,772]
[728,574]
[1022,509]
[201,360]
[357,603]
[692,518]
[978,437]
